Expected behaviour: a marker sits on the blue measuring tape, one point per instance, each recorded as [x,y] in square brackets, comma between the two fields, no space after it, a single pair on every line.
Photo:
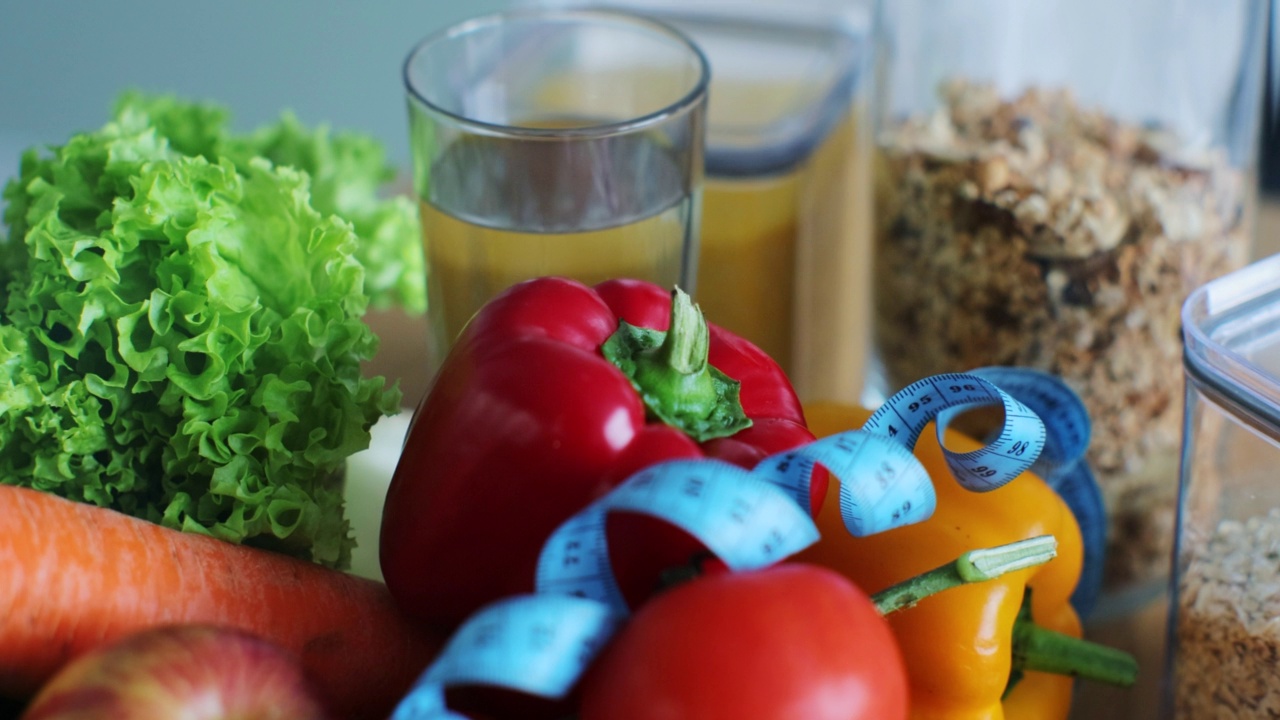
[1062,466]
[745,521]
[753,518]
[538,644]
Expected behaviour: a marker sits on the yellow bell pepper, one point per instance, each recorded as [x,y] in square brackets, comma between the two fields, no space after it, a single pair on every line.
[958,645]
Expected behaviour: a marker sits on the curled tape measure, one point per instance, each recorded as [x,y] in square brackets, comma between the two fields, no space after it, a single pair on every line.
[751,519]
[747,522]
[941,398]
[1063,467]
[538,644]
[883,486]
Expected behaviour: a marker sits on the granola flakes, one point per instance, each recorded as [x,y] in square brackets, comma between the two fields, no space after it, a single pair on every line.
[1034,232]
[1228,623]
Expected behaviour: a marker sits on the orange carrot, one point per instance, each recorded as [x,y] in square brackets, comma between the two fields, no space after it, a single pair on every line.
[74,577]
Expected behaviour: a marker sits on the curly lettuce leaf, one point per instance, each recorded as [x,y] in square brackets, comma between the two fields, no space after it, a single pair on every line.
[181,340]
[348,172]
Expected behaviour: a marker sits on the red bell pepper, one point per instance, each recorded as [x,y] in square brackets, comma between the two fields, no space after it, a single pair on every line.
[527,422]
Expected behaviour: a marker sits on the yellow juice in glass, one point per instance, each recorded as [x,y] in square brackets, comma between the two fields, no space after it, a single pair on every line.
[470,263]
[785,256]
[519,220]
[746,270]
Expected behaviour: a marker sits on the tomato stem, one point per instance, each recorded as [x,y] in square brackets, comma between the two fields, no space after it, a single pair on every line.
[972,567]
[691,570]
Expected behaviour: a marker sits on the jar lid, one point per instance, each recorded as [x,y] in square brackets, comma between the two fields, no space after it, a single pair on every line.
[777,88]
[782,76]
[1231,334]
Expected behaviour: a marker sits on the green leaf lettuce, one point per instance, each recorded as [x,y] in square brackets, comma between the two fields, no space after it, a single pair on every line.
[348,171]
[181,333]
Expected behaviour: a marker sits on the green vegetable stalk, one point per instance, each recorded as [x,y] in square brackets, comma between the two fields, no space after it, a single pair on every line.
[180,325]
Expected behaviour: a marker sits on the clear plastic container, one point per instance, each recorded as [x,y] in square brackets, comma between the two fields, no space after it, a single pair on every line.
[1052,179]
[1224,628]
[784,257]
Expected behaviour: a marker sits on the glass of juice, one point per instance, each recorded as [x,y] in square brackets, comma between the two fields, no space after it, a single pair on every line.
[554,142]
[786,209]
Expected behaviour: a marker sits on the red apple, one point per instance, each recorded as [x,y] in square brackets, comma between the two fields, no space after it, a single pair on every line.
[180,672]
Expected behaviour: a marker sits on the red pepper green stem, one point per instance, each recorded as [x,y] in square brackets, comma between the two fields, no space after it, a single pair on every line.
[972,567]
[688,340]
[1037,648]
[671,373]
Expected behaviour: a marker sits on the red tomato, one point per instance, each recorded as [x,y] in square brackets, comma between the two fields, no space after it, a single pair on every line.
[791,641]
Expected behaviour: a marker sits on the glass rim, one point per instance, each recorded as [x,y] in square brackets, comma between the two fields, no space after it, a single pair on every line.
[690,99]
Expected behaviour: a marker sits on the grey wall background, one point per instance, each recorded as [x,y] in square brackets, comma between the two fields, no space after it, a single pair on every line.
[338,61]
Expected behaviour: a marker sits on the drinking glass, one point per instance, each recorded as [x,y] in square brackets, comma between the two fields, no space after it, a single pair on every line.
[554,142]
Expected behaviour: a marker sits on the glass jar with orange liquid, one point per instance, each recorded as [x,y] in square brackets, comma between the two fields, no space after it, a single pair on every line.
[784,252]
[786,205]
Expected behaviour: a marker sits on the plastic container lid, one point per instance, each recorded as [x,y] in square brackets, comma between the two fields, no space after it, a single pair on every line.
[1231,332]
[777,89]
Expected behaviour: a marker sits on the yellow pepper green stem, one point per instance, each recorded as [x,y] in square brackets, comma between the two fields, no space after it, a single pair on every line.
[1037,648]
[971,567]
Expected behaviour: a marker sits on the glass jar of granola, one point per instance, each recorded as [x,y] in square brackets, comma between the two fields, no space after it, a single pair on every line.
[1052,180]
